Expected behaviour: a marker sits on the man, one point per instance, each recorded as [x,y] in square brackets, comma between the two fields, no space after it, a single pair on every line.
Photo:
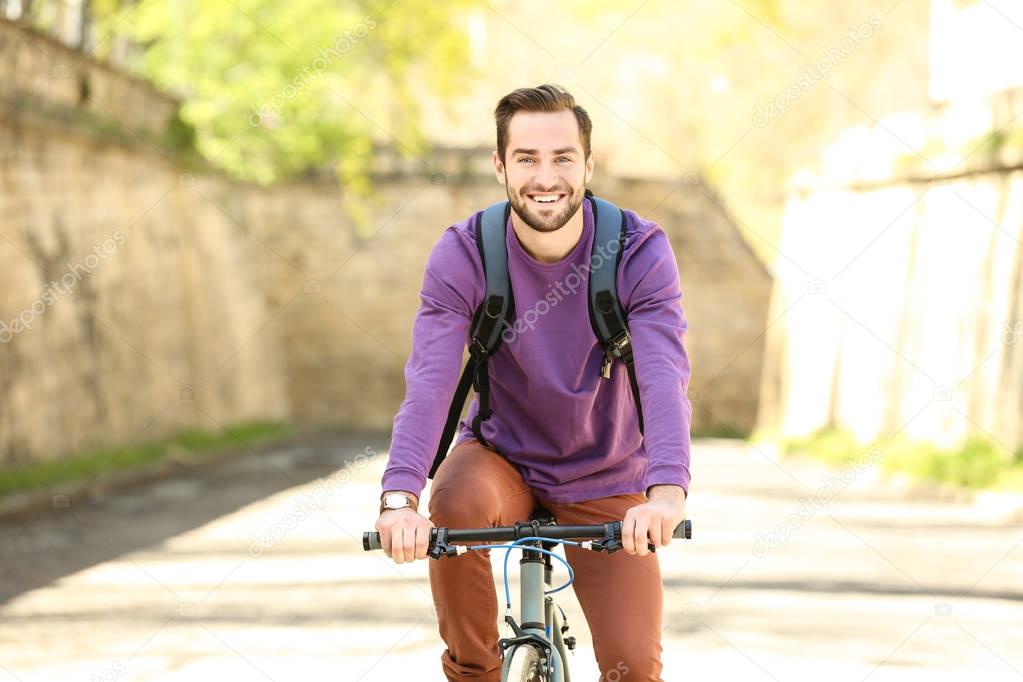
[562,436]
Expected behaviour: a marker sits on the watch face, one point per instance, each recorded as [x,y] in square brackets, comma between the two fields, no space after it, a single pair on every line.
[393,501]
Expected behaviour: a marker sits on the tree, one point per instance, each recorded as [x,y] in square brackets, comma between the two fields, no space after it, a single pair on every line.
[274,89]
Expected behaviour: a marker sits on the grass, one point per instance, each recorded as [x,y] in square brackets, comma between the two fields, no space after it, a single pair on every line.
[722,430]
[978,463]
[191,444]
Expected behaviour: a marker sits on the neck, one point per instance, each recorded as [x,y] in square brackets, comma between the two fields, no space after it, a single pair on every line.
[549,247]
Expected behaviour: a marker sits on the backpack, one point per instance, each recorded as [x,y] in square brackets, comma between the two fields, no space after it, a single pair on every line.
[497,310]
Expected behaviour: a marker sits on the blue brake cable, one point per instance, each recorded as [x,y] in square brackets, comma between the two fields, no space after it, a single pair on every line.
[518,545]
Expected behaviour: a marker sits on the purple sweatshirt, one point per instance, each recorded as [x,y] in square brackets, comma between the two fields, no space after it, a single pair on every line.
[573,435]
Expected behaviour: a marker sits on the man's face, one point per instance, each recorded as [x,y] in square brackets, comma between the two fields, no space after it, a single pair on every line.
[544,171]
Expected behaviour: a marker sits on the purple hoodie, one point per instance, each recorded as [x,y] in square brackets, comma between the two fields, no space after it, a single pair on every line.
[573,435]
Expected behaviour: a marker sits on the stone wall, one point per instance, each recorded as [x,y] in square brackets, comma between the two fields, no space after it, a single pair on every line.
[130,305]
[42,74]
[138,298]
[127,301]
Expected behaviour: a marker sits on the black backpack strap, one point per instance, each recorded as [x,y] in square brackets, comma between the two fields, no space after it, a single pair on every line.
[488,324]
[606,315]
[454,414]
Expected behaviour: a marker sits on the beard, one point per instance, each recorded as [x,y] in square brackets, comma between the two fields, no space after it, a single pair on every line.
[546,219]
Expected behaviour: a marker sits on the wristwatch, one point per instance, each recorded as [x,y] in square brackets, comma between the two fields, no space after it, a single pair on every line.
[397,501]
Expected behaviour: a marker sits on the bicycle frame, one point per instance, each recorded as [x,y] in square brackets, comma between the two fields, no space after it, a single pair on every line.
[538,614]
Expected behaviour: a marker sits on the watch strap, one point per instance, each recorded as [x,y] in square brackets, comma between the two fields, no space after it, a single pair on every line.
[410,502]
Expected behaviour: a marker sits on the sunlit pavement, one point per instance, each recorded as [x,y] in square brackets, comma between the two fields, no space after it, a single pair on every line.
[254,569]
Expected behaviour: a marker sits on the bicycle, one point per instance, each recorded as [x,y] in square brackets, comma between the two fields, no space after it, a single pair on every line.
[537,651]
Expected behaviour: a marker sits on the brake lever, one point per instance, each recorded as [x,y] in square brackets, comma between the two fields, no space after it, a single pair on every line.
[440,547]
[611,543]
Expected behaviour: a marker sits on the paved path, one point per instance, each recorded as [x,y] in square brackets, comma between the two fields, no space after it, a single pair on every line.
[253,570]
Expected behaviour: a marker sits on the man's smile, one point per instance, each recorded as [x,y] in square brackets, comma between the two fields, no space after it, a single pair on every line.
[547,198]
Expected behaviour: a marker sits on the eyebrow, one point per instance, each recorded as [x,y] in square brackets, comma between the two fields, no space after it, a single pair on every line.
[536,152]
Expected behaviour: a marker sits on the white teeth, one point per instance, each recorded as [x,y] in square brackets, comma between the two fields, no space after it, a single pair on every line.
[546,199]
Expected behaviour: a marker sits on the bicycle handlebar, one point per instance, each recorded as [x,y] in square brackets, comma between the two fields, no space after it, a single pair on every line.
[684,530]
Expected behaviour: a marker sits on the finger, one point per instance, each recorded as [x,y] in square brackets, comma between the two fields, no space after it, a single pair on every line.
[422,541]
[642,524]
[667,528]
[628,524]
[385,540]
[397,548]
[653,532]
[410,543]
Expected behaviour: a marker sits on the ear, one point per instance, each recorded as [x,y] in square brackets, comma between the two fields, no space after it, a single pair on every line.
[498,168]
[589,167]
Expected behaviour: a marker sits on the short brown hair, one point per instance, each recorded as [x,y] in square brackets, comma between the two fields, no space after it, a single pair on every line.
[546,97]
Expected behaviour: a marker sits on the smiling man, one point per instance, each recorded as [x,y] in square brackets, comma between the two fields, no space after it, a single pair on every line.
[565,431]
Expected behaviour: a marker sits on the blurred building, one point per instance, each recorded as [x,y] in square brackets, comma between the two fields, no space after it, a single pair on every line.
[976,48]
[897,298]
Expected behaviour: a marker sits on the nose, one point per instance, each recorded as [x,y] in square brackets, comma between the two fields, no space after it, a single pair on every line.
[547,177]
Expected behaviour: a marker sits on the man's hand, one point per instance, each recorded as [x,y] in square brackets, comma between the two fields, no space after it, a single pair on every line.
[404,534]
[655,520]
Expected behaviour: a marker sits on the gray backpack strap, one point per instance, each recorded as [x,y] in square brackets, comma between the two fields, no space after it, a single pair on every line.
[606,315]
[491,231]
[489,322]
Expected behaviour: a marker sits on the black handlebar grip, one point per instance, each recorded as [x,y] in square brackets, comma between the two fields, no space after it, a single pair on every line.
[371,540]
[684,530]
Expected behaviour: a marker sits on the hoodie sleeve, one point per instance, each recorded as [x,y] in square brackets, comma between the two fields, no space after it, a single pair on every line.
[451,291]
[649,278]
